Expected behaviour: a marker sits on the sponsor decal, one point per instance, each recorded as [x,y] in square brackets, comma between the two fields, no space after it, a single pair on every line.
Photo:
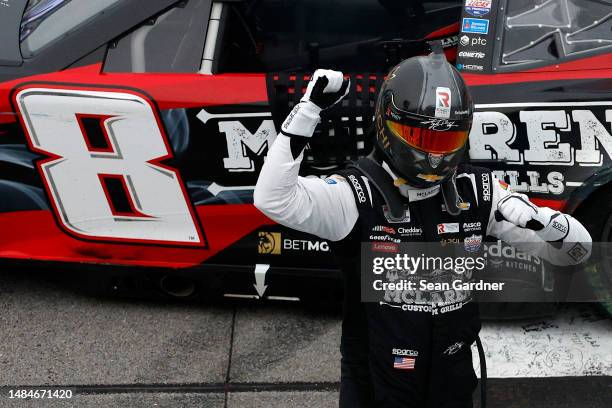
[392,114]
[503,184]
[384,238]
[465,40]
[403,363]
[384,247]
[384,228]
[358,189]
[432,178]
[559,227]
[469,67]
[404,352]
[453,348]
[448,228]
[390,219]
[241,144]
[450,41]
[289,119]
[577,252]
[443,102]
[410,232]
[475,26]
[478,8]
[534,183]
[435,159]
[472,243]
[305,245]
[462,112]
[498,254]
[448,241]
[439,124]
[478,41]
[472,54]
[269,243]
[486,186]
[422,194]
[272,243]
[555,134]
[472,226]
[334,179]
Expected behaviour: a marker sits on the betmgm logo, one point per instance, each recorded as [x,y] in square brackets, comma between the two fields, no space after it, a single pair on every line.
[269,243]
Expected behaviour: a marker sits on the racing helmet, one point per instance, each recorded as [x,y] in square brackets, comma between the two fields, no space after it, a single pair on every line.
[423,117]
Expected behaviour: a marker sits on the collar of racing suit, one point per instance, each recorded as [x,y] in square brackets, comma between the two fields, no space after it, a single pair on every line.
[412,193]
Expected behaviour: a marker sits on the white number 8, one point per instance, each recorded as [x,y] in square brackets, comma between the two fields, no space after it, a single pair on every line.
[117,190]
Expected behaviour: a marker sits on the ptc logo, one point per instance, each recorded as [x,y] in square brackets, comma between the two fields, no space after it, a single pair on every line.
[465,40]
[443,102]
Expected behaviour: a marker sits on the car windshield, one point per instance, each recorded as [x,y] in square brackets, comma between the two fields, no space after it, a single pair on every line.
[279,35]
[45,21]
[547,30]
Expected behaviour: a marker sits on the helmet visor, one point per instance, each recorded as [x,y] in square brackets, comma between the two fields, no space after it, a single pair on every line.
[427,140]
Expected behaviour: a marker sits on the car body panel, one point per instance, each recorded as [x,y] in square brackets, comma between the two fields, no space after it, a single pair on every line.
[219,126]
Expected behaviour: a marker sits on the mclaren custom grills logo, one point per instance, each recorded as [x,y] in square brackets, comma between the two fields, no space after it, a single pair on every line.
[542,140]
[241,140]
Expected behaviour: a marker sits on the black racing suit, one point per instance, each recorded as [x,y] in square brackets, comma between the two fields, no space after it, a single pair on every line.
[374,335]
[435,365]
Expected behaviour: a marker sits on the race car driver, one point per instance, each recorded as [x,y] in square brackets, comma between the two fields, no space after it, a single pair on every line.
[413,187]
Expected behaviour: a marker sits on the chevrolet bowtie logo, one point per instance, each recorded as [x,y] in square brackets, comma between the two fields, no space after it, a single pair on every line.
[399,182]
[430,177]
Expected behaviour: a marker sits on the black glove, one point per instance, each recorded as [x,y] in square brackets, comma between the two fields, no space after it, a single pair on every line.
[325,89]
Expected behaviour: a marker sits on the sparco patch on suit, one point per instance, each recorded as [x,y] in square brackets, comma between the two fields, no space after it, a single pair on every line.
[358,189]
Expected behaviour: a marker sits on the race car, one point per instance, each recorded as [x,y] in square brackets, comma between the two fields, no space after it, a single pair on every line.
[132,132]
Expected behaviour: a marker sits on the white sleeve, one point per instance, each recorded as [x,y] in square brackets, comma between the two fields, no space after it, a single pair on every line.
[323,208]
[524,239]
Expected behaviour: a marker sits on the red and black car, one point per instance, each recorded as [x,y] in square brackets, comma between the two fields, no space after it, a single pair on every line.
[132,132]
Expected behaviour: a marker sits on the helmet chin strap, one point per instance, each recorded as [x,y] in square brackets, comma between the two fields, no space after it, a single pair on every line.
[451,196]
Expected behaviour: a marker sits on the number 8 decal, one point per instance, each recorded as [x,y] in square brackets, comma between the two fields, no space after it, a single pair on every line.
[103,170]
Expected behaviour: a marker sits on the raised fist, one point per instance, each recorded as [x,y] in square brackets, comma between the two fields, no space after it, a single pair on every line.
[326,88]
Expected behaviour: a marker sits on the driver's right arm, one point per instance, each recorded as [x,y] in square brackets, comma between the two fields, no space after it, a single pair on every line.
[325,208]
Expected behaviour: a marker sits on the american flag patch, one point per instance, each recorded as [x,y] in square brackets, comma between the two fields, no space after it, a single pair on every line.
[404,363]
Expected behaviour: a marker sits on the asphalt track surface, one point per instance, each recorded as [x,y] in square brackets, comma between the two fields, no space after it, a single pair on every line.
[128,353]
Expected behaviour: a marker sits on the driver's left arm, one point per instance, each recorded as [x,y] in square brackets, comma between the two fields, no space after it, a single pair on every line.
[552,235]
